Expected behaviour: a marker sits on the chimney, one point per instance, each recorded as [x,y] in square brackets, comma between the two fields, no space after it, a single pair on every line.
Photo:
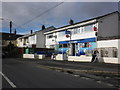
[43,27]
[71,22]
[31,31]
[15,31]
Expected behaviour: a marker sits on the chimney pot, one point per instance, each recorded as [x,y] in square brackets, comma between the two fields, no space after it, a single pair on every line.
[43,27]
[31,31]
[15,32]
[71,22]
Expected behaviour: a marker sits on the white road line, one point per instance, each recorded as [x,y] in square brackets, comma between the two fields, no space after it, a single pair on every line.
[8,80]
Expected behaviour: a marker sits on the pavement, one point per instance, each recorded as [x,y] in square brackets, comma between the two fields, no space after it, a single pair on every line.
[91,75]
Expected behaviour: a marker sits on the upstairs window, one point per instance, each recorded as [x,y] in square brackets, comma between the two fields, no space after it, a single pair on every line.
[81,29]
[49,36]
[20,39]
[88,28]
[76,30]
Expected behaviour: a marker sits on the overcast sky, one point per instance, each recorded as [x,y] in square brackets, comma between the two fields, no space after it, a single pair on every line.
[23,13]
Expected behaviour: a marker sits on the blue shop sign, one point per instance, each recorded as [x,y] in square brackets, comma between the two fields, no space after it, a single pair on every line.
[67,32]
[78,41]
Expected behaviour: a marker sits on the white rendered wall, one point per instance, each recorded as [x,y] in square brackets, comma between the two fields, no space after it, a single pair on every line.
[85,35]
[77,36]
[88,59]
[31,40]
[110,43]
[28,56]
[40,40]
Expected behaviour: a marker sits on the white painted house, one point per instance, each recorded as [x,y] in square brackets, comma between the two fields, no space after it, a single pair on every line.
[78,40]
[34,38]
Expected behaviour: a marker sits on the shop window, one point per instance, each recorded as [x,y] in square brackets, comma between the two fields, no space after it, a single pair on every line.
[81,45]
[85,44]
[64,45]
[68,45]
[60,45]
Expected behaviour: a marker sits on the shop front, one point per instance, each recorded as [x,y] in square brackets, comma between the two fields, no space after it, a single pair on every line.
[77,47]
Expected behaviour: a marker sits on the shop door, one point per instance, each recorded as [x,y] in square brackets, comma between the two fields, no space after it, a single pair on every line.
[73,47]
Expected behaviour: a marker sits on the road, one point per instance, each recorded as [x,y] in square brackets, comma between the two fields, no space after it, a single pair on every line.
[23,74]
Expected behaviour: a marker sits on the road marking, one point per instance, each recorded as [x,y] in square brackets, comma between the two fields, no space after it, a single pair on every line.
[8,80]
[76,75]
[75,70]
[99,82]
[110,84]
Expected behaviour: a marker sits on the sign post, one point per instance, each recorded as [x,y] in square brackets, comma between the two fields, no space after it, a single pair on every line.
[68,35]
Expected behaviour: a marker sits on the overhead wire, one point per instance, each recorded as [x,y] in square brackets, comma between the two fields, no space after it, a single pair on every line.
[39,15]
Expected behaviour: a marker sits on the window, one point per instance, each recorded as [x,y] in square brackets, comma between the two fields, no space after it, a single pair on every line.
[61,34]
[78,30]
[88,28]
[64,46]
[81,29]
[75,31]
[49,36]
[51,46]
[25,40]
[84,45]
[20,39]
[60,46]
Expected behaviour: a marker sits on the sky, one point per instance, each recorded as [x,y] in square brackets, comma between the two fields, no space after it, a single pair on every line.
[28,16]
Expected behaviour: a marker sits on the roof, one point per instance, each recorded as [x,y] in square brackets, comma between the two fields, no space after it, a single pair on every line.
[98,17]
[44,30]
[6,36]
[51,28]
[87,20]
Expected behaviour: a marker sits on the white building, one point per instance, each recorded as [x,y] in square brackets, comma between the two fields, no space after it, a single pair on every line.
[36,39]
[100,32]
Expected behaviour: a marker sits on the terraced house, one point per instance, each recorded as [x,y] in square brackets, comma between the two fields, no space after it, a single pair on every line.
[33,43]
[35,39]
[78,40]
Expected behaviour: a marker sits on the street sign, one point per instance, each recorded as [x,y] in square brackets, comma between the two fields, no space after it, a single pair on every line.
[67,35]
[95,28]
[67,32]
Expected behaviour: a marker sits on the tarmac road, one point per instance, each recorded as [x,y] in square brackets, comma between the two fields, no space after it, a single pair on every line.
[22,74]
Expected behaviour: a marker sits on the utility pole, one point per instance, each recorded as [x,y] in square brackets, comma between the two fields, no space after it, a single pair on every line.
[10,34]
[10,30]
[70,44]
